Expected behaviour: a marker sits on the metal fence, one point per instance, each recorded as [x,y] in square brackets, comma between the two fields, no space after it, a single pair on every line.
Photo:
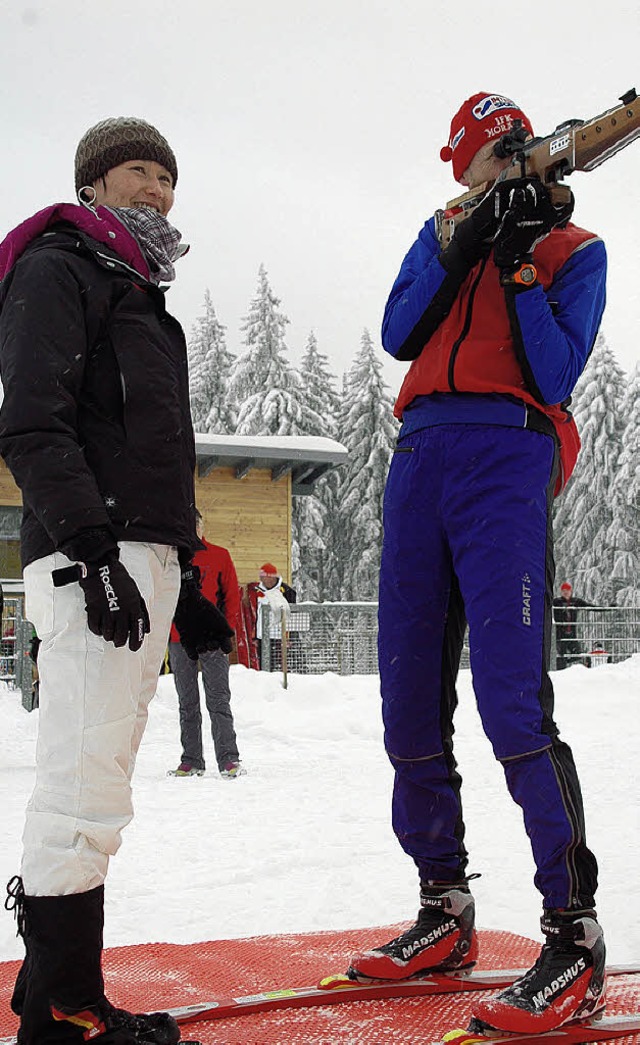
[342,637]
[600,635]
[328,636]
[16,666]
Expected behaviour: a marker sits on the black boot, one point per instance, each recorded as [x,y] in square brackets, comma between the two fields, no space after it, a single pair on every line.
[15,903]
[59,992]
[443,938]
[566,983]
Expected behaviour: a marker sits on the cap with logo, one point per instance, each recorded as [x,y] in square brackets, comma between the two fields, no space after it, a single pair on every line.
[482,118]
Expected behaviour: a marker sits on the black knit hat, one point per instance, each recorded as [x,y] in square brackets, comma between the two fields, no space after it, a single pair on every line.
[114,141]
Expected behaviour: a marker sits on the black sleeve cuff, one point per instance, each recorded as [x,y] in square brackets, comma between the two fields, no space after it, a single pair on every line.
[94,546]
[454,261]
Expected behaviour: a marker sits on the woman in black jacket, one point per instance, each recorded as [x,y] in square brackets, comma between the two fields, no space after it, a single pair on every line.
[96,429]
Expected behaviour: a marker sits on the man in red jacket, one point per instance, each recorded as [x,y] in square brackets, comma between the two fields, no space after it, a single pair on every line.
[219,583]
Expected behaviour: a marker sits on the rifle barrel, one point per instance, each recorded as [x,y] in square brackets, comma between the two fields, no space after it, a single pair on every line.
[598,140]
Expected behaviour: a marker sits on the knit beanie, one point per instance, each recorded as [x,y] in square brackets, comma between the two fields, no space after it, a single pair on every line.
[482,118]
[116,140]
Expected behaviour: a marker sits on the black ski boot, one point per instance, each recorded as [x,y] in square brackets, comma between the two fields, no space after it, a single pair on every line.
[443,938]
[59,991]
[566,983]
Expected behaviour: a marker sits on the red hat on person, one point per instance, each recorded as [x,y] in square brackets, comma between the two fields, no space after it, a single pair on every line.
[269,570]
[566,586]
[482,118]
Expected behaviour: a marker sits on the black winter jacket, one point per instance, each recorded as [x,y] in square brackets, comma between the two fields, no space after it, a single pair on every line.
[565,614]
[95,425]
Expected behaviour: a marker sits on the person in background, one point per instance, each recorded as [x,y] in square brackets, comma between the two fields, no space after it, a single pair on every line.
[219,584]
[598,656]
[565,615]
[96,429]
[270,590]
[34,646]
[1,616]
[498,323]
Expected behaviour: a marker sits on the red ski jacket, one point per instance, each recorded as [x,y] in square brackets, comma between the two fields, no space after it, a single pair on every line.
[219,583]
[531,344]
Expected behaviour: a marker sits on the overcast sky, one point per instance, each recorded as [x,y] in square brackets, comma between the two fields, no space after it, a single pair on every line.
[308,134]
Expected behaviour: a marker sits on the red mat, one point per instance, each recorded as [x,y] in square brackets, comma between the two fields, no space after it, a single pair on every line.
[156,976]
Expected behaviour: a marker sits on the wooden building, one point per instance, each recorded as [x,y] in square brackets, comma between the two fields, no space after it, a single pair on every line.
[244,491]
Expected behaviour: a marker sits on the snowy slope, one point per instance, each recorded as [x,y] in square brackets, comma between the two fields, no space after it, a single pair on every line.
[303,842]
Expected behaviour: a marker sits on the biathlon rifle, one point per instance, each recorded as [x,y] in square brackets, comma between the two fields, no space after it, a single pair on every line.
[576,145]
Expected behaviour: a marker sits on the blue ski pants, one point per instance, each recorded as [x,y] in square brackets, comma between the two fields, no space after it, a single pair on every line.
[467,539]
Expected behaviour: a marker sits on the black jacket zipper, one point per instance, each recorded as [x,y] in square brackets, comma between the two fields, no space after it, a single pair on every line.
[465,329]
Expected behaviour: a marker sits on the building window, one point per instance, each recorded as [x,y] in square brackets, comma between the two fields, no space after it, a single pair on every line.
[10,519]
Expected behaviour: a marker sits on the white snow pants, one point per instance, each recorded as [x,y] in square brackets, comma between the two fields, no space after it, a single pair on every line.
[94,700]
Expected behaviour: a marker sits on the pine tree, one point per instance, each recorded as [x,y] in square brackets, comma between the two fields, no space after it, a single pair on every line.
[584,552]
[319,385]
[624,533]
[209,367]
[369,432]
[312,515]
[262,382]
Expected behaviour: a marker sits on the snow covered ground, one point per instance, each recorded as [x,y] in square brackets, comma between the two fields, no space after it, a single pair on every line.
[303,842]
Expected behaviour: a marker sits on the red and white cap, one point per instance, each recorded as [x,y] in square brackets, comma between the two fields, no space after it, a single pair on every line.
[269,570]
[482,118]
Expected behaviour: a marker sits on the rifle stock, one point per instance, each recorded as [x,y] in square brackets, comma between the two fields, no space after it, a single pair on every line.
[576,145]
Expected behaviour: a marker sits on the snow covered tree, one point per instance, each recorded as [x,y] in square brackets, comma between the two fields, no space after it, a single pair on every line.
[368,429]
[319,386]
[262,382]
[584,550]
[312,515]
[624,533]
[209,367]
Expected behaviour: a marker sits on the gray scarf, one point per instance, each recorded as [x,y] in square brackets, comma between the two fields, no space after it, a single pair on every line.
[159,241]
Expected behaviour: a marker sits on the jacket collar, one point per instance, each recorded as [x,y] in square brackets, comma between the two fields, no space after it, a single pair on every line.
[100,224]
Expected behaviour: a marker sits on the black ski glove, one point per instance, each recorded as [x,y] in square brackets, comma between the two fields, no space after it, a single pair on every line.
[471,240]
[115,608]
[528,216]
[201,625]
